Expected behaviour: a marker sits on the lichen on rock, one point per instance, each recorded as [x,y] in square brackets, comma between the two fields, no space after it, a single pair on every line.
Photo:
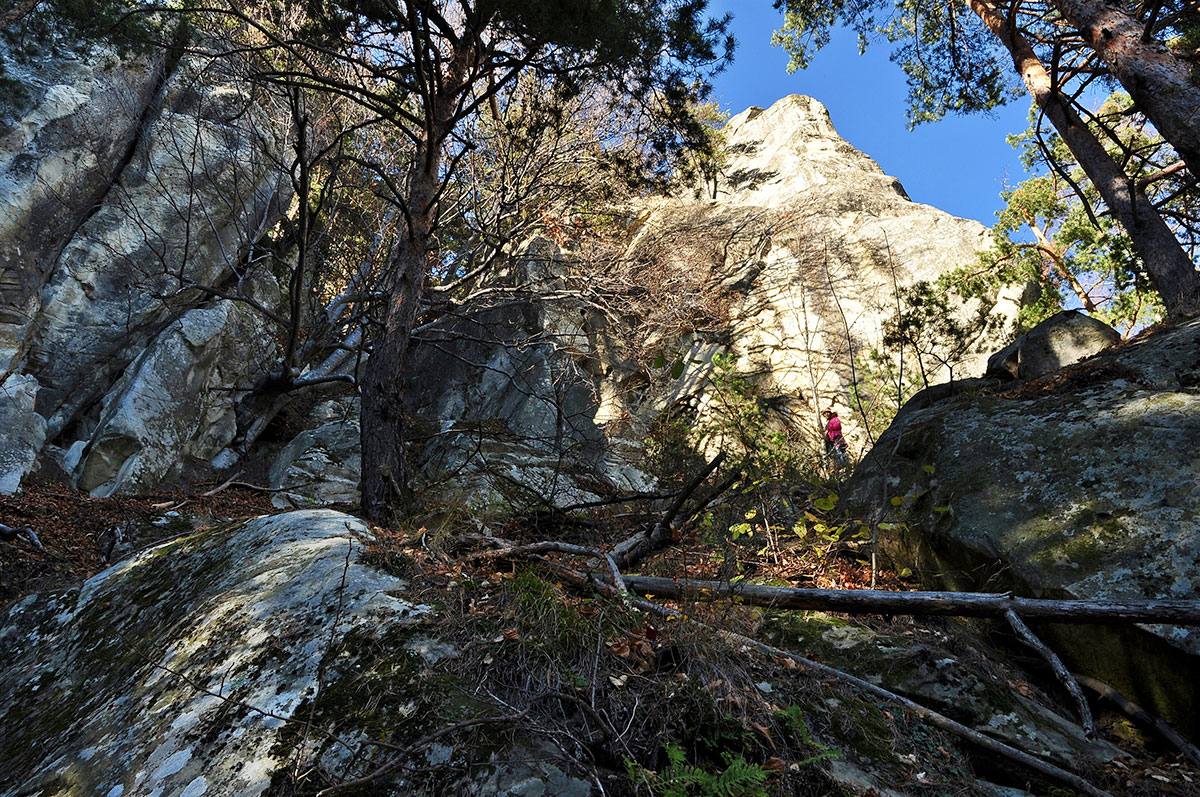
[178,670]
[1081,484]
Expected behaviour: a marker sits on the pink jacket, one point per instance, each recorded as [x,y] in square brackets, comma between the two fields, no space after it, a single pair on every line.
[833,429]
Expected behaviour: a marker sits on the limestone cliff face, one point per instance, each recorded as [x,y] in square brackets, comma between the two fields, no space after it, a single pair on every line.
[130,181]
[63,141]
[124,182]
[810,241]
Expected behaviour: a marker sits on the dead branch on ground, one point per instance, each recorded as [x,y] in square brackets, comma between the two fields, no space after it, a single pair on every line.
[1044,768]
[1139,714]
[959,604]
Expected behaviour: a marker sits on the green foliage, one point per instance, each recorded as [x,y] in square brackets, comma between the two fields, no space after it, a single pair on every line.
[883,386]
[793,719]
[706,160]
[738,778]
[76,27]
[739,425]
[927,328]
[1049,236]
[654,57]
[953,64]
[670,450]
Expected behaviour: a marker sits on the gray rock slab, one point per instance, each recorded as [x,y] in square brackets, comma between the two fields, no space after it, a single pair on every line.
[175,672]
[1061,340]
[177,400]
[22,431]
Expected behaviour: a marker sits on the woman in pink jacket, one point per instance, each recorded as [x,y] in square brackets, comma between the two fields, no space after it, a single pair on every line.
[835,443]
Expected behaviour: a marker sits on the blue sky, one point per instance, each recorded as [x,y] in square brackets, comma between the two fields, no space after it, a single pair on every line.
[959,164]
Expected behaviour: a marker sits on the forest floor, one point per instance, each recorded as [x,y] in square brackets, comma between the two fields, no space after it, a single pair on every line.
[80,535]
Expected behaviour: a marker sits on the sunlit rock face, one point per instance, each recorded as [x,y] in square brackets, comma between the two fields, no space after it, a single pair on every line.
[124,180]
[1085,483]
[65,130]
[810,242]
[177,400]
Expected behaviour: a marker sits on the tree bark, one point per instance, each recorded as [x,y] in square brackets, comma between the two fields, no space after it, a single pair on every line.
[381,426]
[1159,82]
[1169,267]
[957,604]
[384,478]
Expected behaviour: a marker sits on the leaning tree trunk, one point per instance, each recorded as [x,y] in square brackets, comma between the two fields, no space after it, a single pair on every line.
[1159,82]
[1169,267]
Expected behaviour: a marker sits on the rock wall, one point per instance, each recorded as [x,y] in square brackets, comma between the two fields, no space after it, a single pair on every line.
[126,182]
[64,139]
[810,242]
[801,253]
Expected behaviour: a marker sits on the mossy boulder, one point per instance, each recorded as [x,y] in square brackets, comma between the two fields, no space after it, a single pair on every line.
[1063,339]
[178,671]
[949,671]
[1085,483]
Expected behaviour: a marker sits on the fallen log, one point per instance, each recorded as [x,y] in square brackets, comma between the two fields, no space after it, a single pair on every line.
[987,743]
[629,552]
[959,604]
[1138,714]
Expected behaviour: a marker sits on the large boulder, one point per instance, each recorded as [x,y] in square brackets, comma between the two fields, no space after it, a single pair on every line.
[177,400]
[224,662]
[1081,487]
[1062,339]
[175,672]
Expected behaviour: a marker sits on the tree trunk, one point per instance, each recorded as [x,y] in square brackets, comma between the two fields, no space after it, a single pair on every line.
[1169,267]
[1159,82]
[957,604]
[384,474]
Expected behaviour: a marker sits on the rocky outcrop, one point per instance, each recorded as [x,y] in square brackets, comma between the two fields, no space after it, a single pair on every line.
[1062,339]
[177,400]
[64,138]
[1081,484]
[22,431]
[228,660]
[176,672]
[203,182]
[953,673]
[790,271]
[810,242]
[126,182]
[321,466]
